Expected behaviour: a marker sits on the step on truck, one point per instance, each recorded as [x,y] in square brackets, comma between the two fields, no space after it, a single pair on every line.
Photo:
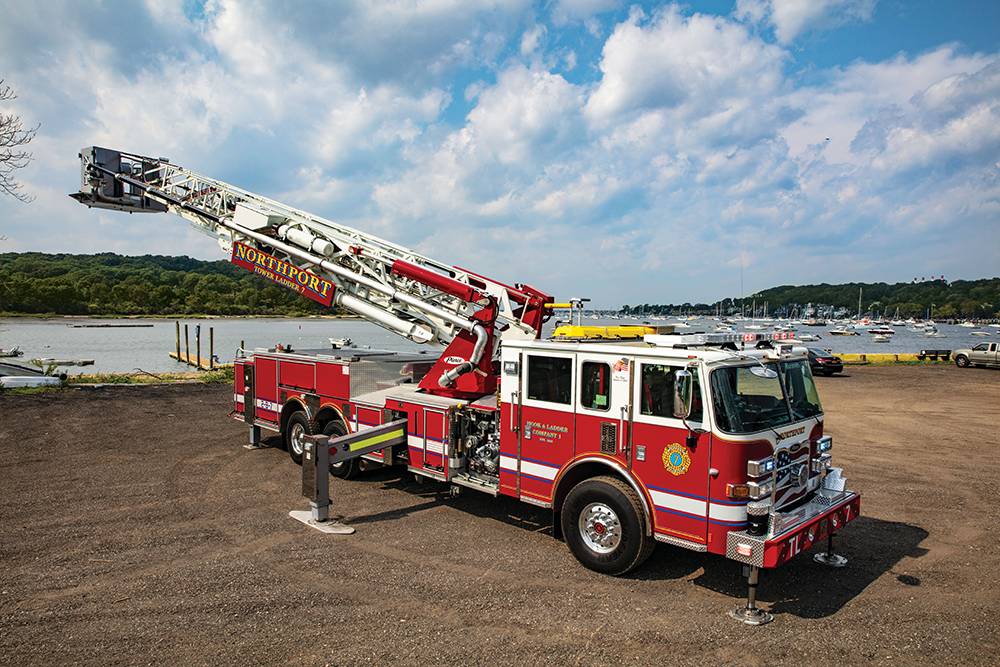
[712,442]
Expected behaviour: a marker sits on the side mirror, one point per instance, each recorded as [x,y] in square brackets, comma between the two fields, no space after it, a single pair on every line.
[683,393]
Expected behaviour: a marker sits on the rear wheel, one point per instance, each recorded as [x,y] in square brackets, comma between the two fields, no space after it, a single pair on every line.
[298,426]
[344,469]
[604,526]
[962,361]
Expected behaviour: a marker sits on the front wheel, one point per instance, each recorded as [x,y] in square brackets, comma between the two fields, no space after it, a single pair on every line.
[298,426]
[604,526]
[962,361]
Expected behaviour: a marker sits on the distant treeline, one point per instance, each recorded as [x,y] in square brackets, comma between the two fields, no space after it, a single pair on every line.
[110,284]
[958,299]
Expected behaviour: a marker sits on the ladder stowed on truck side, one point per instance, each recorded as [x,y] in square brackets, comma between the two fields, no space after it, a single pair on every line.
[708,441]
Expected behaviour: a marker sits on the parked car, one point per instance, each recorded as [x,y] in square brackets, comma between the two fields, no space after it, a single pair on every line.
[824,363]
[984,354]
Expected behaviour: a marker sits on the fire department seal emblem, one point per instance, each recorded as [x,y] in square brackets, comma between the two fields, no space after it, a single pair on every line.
[676,459]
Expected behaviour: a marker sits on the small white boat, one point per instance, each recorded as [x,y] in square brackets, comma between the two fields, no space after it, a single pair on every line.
[882,330]
[881,338]
[18,381]
[808,337]
[979,333]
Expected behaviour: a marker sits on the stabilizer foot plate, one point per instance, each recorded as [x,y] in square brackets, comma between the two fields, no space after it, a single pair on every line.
[330,526]
[749,616]
[832,560]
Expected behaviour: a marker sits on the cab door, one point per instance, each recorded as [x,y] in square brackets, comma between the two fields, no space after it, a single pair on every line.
[674,470]
[603,408]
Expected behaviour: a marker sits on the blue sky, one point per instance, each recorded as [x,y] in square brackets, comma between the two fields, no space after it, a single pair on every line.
[625,152]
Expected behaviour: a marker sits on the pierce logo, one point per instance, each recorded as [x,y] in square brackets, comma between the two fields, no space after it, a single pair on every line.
[454,361]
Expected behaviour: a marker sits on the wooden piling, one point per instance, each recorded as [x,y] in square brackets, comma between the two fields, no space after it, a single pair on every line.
[211,348]
[187,344]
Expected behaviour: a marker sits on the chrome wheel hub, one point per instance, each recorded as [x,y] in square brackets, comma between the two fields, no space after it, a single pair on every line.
[600,528]
[297,444]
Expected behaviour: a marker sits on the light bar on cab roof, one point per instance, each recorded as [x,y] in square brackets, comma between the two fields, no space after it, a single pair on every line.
[669,340]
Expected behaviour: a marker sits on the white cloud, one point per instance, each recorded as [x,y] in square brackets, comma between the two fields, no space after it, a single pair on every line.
[695,66]
[846,99]
[530,40]
[792,18]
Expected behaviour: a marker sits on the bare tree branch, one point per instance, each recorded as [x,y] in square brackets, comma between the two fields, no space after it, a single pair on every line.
[12,137]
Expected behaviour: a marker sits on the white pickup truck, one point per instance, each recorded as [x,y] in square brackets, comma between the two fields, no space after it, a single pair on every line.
[984,354]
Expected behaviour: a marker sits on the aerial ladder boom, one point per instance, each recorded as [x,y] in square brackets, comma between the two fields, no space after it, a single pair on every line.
[396,288]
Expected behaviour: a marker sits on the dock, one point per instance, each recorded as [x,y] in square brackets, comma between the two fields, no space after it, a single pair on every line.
[194,360]
[106,326]
[933,355]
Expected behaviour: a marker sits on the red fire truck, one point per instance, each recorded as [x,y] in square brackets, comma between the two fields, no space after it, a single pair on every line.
[710,441]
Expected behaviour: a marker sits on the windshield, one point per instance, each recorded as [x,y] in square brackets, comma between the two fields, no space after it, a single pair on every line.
[748,398]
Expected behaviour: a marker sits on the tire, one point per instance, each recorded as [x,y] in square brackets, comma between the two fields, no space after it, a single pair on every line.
[344,469]
[298,426]
[962,361]
[605,527]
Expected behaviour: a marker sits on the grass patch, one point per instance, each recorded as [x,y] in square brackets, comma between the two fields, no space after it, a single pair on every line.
[221,375]
[15,391]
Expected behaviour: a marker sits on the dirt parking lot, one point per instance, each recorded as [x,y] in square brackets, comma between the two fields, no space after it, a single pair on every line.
[135,528]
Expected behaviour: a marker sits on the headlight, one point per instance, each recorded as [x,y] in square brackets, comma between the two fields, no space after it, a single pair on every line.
[824,444]
[761,467]
[822,463]
[758,490]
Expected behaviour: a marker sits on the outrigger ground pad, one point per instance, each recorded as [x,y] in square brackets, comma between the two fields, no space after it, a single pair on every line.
[330,526]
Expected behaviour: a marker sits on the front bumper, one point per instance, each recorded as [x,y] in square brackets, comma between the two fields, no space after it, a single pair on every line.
[792,532]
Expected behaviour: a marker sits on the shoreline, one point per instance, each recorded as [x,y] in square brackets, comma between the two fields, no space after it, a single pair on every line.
[46,318]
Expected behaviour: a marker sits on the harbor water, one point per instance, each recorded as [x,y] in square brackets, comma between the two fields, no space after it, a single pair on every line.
[135,345]
[956,337]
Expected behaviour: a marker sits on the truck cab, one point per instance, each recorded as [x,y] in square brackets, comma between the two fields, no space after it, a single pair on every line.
[744,470]
[982,355]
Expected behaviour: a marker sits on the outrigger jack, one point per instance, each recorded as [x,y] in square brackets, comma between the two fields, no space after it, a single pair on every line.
[751,614]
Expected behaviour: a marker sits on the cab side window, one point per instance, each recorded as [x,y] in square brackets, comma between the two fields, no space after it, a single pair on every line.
[550,379]
[595,386]
[657,387]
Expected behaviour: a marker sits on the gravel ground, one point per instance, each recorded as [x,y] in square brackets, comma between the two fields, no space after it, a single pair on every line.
[136,529]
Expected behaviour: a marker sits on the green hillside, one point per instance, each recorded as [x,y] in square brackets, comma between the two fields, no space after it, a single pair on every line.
[958,299]
[110,284]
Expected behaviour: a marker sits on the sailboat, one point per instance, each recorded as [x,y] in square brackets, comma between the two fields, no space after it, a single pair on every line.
[754,326]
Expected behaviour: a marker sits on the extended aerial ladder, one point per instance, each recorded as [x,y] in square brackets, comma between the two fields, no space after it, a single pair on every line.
[429,302]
